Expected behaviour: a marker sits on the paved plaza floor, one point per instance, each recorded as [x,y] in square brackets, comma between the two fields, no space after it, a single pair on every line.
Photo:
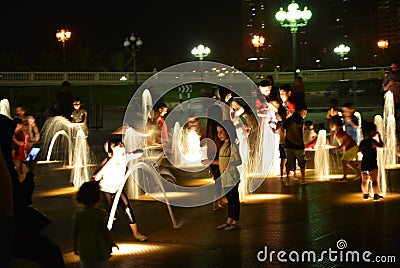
[284,224]
[328,218]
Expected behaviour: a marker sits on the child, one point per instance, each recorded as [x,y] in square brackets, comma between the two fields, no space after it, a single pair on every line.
[112,174]
[228,160]
[369,165]
[294,143]
[347,144]
[79,115]
[351,123]
[309,135]
[91,238]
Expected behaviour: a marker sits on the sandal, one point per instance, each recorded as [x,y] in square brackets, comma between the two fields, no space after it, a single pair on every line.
[223,226]
[233,227]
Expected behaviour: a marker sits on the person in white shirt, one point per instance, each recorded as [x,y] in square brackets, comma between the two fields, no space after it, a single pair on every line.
[112,175]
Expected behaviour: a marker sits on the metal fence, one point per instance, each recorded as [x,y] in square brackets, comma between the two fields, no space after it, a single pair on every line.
[115,78]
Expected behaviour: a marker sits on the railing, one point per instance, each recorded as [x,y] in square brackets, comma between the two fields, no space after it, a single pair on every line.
[114,78]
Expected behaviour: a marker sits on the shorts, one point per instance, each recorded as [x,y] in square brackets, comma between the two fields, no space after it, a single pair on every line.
[282,152]
[292,156]
[351,154]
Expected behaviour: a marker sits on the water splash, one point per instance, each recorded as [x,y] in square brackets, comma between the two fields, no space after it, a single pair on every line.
[152,173]
[176,155]
[389,130]
[381,157]
[359,132]
[321,160]
[67,142]
[80,173]
[52,142]
[133,140]
[5,108]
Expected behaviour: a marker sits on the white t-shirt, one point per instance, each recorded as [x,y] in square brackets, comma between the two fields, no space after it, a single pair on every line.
[112,175]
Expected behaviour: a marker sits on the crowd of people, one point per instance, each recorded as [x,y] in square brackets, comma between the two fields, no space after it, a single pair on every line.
[282,107]
[20,145]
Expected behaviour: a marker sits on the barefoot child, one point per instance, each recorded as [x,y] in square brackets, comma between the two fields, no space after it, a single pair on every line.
[347,144]
[369,165]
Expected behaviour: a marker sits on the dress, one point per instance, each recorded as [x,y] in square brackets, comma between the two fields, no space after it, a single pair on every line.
[92,245]
[229,177]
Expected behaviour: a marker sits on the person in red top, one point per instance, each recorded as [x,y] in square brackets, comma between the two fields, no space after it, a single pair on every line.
[285,92]
[18,150]
[159,121]
[347,144]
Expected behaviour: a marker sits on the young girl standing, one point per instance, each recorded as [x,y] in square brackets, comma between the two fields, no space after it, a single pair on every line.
[369,165]
[228,160]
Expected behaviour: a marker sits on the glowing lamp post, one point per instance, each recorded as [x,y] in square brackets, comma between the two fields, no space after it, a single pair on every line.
[258,41]
[293,19]
[383,44]
[132,44]
[63,36]
[342,50]
[201,51]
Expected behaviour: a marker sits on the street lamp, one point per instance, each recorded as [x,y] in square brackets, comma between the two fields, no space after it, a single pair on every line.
[293,19]
[258,41]
[383,44]
[132,44]
[201,51]
[63,36]
[342,50]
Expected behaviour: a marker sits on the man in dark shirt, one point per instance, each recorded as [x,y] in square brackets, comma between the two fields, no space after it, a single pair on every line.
[64,101]
[294,144]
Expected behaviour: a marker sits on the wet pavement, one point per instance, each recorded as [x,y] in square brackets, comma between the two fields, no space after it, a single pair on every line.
[289,217]
[284,224]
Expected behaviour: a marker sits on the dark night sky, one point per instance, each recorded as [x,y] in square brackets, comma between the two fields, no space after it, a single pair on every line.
[168,28]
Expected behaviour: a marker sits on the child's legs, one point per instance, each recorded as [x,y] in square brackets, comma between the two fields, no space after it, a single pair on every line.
[354,166]
[283,163]
[290,161]
[345,167]
[374,178]
[128,208]
[282,156]
[364,182]
[301,161]
[233,203]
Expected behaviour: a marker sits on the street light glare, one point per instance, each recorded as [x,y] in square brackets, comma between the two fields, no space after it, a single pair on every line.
[201,51]
[293,19]
[341,50]
[280,15]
